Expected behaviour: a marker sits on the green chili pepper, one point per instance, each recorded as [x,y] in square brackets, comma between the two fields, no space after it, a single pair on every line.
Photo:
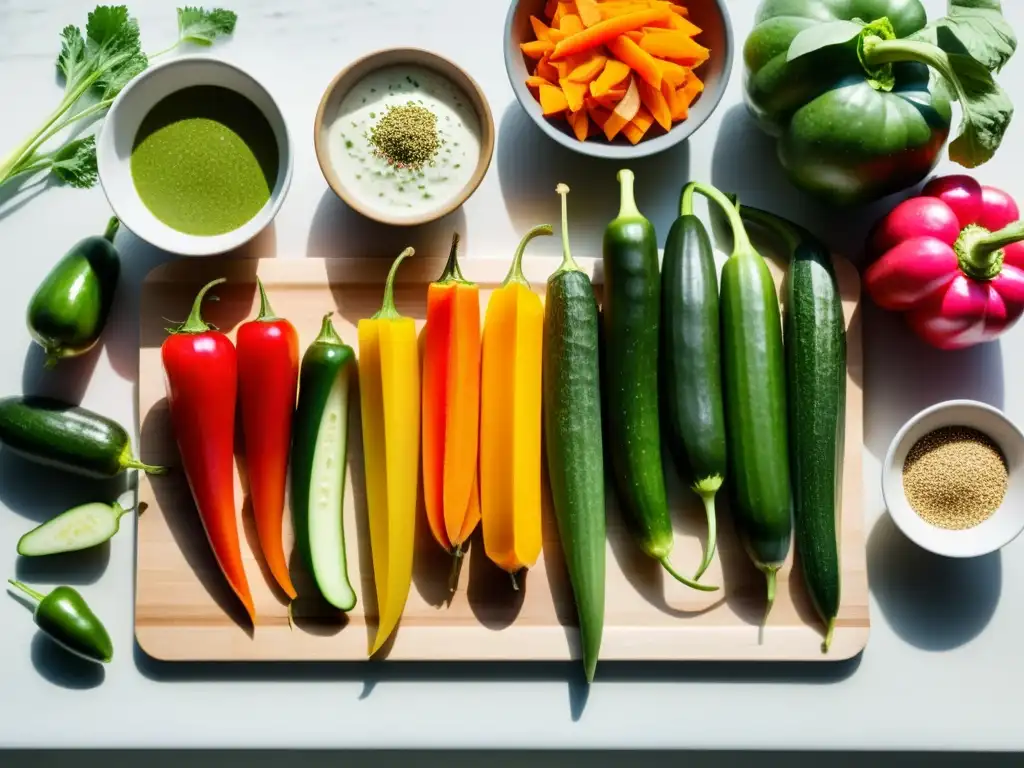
[67,619]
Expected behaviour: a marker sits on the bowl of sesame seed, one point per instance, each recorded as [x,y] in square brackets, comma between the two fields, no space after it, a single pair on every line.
[403,136]
[953,479]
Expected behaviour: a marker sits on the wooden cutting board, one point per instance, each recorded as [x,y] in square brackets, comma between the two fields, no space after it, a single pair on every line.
[184,610]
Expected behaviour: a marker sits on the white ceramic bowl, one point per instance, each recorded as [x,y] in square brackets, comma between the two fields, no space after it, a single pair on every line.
[114,148]
[998,530]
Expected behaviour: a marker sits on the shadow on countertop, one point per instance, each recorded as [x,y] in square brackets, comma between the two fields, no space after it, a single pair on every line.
[530,166]
[64,669]
[934,603]
[372,674]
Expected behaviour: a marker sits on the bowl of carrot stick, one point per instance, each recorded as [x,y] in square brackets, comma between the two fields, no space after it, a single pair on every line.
[618,78]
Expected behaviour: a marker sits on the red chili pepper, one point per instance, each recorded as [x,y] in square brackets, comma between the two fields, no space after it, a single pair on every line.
[952,259]
[268,372]
[201,371]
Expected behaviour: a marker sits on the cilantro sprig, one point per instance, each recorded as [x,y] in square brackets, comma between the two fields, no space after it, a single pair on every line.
[95,67]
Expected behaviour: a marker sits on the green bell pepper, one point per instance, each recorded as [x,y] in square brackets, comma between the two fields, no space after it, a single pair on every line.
[858,92]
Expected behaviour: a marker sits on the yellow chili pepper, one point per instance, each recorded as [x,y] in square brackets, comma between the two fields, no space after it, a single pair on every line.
[510,426]
[389,394]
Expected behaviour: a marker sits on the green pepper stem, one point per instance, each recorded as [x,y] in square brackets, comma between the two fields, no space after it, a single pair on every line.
[452,273]
[878,52]
[996,241]
[771,575]
[112,226]
[27,590]
[128,461]
[686,201]
[829,631]
[682,579]
[387,309]
[515,272]
[266,311]
[741,242]
[627,200]
[568,263]
[195,322]
[708,497]
[980,253]
[327,335]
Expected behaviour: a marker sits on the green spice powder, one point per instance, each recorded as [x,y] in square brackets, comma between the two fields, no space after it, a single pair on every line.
[205,160]
[406,136]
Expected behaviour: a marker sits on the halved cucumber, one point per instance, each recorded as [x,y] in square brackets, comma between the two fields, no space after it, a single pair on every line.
[81,527]
[319,457]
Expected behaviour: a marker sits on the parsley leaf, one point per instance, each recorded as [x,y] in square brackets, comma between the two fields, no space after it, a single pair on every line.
[202,27]
[75,163]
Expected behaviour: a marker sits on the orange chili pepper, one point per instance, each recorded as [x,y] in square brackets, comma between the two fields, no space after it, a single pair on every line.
[451,408]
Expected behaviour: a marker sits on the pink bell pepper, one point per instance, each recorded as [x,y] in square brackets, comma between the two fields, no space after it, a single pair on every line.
[952,260]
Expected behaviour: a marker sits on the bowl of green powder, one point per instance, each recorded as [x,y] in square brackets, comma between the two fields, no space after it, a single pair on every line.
[194,156]
[953,479]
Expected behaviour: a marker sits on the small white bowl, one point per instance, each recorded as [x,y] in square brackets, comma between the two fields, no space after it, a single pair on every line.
[115,140]
[997,531]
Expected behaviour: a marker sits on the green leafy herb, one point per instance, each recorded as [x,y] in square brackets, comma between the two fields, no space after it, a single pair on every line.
[961,50]
[976,28]
[820,36]
[99,64]
[202,27]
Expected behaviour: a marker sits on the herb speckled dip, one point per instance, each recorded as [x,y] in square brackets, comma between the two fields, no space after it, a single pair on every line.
[404,136]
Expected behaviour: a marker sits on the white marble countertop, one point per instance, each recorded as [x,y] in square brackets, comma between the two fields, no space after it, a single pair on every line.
[942,668]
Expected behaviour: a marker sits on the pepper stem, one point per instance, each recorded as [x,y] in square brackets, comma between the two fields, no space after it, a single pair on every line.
[829,631]
[128,461]
[980,253]
[741,242]
[195,322]
[327,335]
[515,272]
[27,590]
[627,201]
[709,547]
[568,263]
[266,311]
[682,579]
[452,272]
[387,308]
[686,201]
[112,226]
[453,574]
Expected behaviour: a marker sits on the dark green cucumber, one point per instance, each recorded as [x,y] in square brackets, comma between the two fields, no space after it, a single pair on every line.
[69,437]
[631,309]
[319,457]
[754,379]
[69,309]
[814,332]
[573,438]
[691,364]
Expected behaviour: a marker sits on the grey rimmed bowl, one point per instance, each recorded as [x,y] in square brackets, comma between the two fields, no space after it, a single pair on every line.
[710,15]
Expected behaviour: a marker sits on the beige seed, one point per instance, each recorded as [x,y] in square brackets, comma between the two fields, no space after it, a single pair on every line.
[955,477]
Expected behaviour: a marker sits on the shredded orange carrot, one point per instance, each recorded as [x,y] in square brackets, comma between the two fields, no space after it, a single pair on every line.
[607,30]
[622,65]
[537,49]
[641,62]
[655,102]
[590,14]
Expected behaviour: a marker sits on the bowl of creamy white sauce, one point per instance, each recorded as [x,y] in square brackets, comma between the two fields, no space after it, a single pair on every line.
[404,136]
